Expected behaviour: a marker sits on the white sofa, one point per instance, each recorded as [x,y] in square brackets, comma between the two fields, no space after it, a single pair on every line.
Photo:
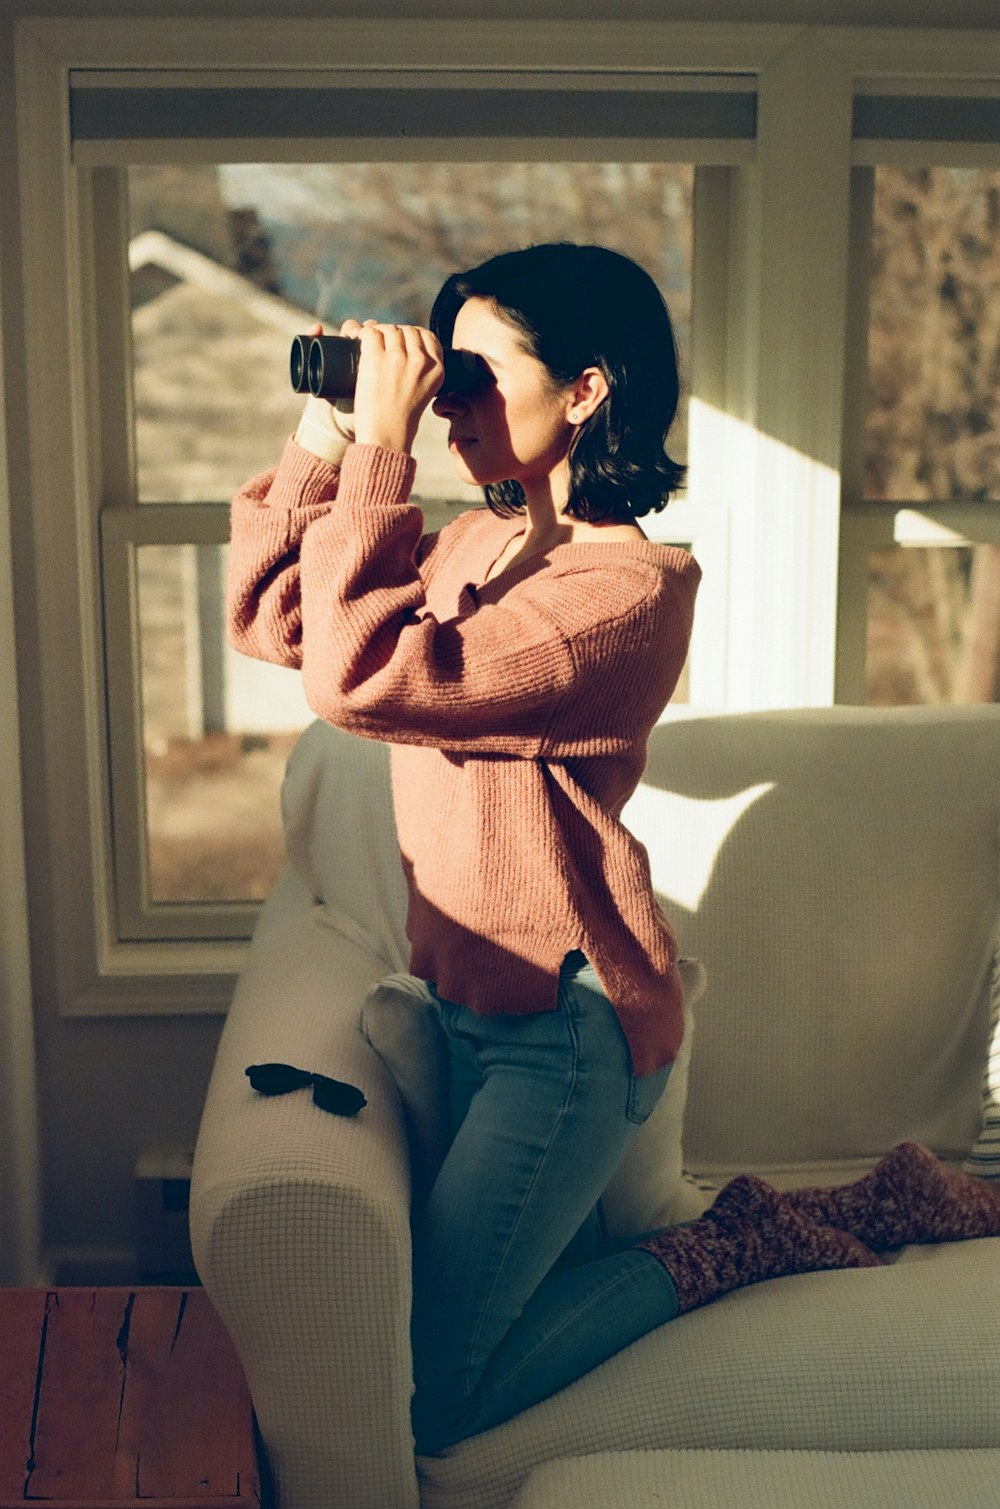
[837,872]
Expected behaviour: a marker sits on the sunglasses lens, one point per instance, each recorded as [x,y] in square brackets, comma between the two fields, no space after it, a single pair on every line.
[336,1096]
[276,1079]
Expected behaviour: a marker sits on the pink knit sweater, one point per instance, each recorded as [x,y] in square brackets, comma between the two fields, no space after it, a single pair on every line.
[518,712]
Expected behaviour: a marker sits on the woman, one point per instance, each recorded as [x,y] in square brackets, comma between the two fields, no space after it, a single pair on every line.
[516,662]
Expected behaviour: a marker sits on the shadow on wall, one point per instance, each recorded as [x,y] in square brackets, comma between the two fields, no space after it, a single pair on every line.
[836,872]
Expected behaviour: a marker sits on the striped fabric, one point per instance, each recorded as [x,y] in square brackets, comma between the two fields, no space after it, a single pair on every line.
[984,1159]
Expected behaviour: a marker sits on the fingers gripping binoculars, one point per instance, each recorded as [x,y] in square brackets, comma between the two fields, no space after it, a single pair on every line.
[327,367]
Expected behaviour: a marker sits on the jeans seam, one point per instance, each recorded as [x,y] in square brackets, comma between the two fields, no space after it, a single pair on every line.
[485,1396]
[563,1110]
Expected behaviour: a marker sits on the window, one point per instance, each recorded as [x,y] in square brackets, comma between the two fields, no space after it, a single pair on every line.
[921,571]
[783,510]
[210,215]
[227,262]
[932,433]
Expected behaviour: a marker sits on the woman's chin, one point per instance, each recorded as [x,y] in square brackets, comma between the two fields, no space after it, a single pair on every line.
[464,461]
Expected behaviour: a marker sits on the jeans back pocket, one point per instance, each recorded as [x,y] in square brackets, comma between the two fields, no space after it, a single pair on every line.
[644,1093]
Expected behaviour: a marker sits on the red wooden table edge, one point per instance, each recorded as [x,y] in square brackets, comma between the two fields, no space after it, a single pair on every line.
[233,1501]
[41,1293]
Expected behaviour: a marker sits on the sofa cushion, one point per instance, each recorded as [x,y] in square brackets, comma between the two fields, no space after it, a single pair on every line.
[340,837]
[901,1357]
[650,1187]
[767,1480]
[341,841]
[841,885]
[398,1019]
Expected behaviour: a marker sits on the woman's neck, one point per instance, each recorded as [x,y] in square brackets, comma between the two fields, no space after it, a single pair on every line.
[546,520]
[547,523]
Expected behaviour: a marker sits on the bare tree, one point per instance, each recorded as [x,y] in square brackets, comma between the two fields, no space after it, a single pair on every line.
[391,233]
[934,418]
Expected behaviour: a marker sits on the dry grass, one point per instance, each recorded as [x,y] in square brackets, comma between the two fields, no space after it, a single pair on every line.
[214,816]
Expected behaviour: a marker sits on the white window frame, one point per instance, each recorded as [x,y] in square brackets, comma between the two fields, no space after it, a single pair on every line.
[126,526]
[776,282]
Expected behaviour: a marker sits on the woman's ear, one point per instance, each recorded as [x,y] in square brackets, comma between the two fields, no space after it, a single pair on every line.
[586,395]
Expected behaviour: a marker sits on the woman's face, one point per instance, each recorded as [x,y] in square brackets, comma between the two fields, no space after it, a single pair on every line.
[515,429]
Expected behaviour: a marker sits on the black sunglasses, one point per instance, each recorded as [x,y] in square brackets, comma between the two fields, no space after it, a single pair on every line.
[332,1095]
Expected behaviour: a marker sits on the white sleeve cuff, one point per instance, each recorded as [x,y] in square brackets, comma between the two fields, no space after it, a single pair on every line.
[324,430]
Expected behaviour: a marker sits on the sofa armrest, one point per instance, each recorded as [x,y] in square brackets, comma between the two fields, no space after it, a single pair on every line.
[300,1220]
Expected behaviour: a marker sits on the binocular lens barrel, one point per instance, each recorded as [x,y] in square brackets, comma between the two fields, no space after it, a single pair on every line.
[327,367]
[299,364]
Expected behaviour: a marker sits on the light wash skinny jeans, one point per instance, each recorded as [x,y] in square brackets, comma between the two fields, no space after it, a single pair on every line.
[512,1298]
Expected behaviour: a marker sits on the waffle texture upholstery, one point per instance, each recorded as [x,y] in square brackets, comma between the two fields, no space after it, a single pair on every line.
[768,1480]
[837,872]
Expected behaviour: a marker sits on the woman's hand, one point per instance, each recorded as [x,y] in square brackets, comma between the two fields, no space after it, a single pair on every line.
[400,371]
[326,429]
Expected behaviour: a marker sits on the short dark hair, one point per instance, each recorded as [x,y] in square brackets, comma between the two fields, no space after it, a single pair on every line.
[586,306]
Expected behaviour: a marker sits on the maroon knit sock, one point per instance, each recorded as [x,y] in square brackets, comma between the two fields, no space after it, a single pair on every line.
[909,1197]
[749,1234]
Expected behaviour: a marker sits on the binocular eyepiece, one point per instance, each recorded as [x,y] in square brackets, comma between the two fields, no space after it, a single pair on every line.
[327,367]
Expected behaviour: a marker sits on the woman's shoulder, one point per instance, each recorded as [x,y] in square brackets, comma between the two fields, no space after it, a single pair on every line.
[626,555]
[629,581]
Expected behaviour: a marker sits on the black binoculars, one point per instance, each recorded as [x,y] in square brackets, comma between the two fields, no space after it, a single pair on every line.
[327,367]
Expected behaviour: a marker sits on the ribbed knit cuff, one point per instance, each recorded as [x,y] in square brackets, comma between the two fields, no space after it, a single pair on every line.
[370,476]
[302,479]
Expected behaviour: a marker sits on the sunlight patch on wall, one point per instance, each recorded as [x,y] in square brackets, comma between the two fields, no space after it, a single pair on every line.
[782,542]
[694,831]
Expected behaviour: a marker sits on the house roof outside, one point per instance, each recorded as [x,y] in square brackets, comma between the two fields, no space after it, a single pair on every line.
[213,403]
[213,406]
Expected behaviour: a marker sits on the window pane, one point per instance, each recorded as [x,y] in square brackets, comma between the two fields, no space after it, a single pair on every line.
[934,625]
[229,262]
[933,423]
[217,730]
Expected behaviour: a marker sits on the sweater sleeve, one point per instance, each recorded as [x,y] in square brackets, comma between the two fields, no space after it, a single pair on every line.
[268,519]
[324,577]
[575,663]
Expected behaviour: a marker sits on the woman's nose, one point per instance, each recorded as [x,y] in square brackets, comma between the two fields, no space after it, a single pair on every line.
[446,405]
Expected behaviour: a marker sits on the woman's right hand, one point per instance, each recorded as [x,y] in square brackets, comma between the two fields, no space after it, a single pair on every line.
[400,371]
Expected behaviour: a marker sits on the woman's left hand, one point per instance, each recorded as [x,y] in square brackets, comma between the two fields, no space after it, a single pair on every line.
[400,371]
